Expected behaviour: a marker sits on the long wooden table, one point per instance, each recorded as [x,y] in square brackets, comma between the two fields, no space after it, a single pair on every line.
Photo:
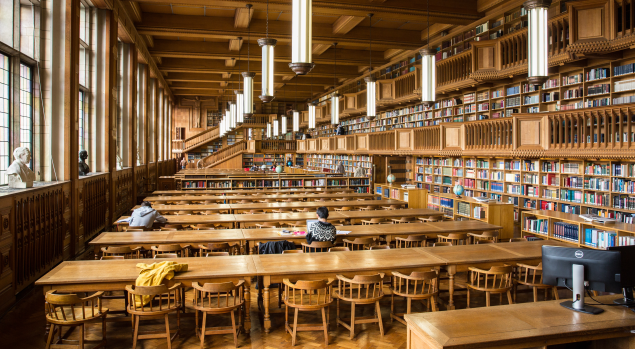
[233,198]
[311,266]
[114,275]
[247,190]
[526,325]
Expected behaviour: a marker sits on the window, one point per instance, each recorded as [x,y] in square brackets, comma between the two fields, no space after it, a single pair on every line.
[26,107]
[141,102]
[119,108]
[4,118]
[82,143]
[84,77]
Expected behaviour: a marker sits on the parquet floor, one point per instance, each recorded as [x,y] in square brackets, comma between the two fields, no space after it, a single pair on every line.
[24,326]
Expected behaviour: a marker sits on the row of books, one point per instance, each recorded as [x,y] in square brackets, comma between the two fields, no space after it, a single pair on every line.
[535,225]
[566,231]
[602,239]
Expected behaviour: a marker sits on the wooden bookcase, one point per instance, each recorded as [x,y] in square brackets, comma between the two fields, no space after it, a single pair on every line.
[415,198]
[570,228]
[320,162]
[193,182]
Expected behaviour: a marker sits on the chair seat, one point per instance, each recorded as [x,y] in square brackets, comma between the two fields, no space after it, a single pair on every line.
[68,313]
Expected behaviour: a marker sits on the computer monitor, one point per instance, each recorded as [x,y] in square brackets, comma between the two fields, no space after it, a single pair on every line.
[309,223]
[576,267]
[627,257]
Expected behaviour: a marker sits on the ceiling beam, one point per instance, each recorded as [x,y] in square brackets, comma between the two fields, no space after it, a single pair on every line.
[286,95]
[435,29]
[234,44]
[219,50]
[234,85]
[448,11]
[242,17]
[306,80]
[344,24]
[223,28]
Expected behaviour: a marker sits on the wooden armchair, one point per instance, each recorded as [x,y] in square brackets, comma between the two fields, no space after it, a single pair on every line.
[380,247]
[497,280]
[416,286]
[295,224]
[431,219]
[184,213]
[282,210]
[262,225]
[204,226]
[367,208]
[216,299]
[392,207]
[529,275]
[316,246]
[411,241]
[454,238]
[123,251]
[359,243]
[486,235]
[166,256]
[360,290]
[305,209]
[214,247]
[307,296]
[135,229]
[403,220]
[170,227]
[174,248]
[339,249]
[216,254]
[439,244]
[518,240]
[72,311]
[373,221]
[153,302]
[345,208]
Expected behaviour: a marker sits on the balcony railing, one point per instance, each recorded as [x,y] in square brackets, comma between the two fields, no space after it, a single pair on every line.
[223,154]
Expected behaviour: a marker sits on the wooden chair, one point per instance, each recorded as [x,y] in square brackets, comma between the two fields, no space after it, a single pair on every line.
[123,251]
[438,244]
[295,224]
[184,213]
[373,221]
[359,243]
[486,235]
[216,299]
[266,201]
[316,246]
[255,212]
[213,201]
[339,249]
[265,225]
[282,210]
[367,208]
[110,258]
[135,229]
[171,227]
[431,219]
[184,202]
[497,280]
[411,241]
[391,207]
[204,226]
[380,247]
[166,256]
[216,254]
[360,290]
[529,275]
[345,208]
[72,311]
[403,220]
[214,247]
[336,222]
[307,296]
[163,301]
[244,201]
[454,238]
[518,239]
[416,286]
[174,248]
[305,209]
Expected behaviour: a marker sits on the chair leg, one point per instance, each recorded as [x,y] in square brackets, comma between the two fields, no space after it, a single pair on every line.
[328,316]
[337,314]
[515,289]
[555,293]
[535,290]
[286,318]
[468,298]
[381,324]
[326,333]
[50,337]
[295,327]
[81,336]
[234,330]
[167,331]
[433,303]
[408,305]
[135,335]
[487,299]
[392,306]
[202,338]
[352,320]
[509,297]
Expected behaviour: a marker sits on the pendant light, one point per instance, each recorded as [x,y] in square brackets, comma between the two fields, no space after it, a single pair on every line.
[301,35]
[370,79]
[428,70]
[248,78]
[311,108]
[240,101]
[276,127]
[267,46]
[296,113]
[335,98]
[537,39]
[232,116]
[268,130]
[283,125]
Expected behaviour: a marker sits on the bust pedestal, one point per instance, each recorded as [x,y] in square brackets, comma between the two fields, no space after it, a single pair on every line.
[16,182]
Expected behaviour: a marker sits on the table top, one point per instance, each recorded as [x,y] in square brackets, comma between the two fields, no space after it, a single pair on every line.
[166,237]
[290,216]
[189,207]
[258,197]
[409,212]
[525,325]
[116,271]
[192,219]
[488,253]
[272,233]
[314,204]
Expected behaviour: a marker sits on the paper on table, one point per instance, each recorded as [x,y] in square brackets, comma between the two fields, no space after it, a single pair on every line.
[342,232]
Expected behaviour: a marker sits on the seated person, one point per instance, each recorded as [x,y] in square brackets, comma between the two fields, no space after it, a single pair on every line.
[321,230]
[144,216]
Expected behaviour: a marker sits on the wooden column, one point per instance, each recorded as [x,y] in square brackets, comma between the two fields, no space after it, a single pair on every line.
[111,108]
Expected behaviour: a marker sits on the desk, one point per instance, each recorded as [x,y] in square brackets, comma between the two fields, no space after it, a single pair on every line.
[220,191]
[387,214]
[526,325]
[243,220]
[186,220]
[165,209]
[151,238]
[232,198]
[114,275]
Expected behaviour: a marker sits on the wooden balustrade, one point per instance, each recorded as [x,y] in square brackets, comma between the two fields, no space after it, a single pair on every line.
[454,69]
[273,146]
[408,85]
[426,138]
[491,134]
[224,153]
[183,146]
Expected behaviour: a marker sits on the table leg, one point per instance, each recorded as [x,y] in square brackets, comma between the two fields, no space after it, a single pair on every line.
[267,300]
[251,251]
[451,273]
[97,252]
[247,317]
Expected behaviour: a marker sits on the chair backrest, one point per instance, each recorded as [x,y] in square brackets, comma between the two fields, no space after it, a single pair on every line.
[479,242]
[292,251]
[376,220]
[296,224]
[359,243]
[218,297]
[339,249]
[216,254]
[497,278]
[406,219]
[256,211]
[411,241]
[308,295]
[518,239]
[317,246]
[169,299]
[267,224]
[529,274]
[345,208]
[184,202]
[123,251]
[416,284]
[184,213]
[365,288]
[380,247]
[173,248]
[204,226]
[166,255]
[454,238]
[106,258]
[437,244]
[60,306]
[135,229]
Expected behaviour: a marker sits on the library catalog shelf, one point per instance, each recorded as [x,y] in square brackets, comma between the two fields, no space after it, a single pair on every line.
[572,229]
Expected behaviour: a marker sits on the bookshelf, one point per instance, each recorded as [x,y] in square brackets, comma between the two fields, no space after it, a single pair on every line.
[570,228]
[415,198]
[328,162]
[260,159]
[356,184]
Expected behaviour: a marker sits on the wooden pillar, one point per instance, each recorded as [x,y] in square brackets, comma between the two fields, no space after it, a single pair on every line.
[111,109]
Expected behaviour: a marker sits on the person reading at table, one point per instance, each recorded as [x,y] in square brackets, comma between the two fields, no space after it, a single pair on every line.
[144,216]
[321,230]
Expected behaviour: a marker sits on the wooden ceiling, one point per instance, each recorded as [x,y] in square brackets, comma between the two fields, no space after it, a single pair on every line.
[195,42]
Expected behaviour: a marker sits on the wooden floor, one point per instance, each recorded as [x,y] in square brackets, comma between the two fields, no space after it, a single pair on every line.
[24,326]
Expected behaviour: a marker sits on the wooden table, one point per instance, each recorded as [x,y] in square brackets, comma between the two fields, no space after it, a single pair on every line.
[186,220]
[244,220]
[232,198]
[151,238]
[114,275]
[526,325]
[389,214]
[163,209]
[220,191]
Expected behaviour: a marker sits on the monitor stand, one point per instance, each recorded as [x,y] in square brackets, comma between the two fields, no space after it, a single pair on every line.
[578,293]
[628,300]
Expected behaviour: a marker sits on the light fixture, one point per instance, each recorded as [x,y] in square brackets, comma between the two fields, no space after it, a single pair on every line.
[268,46]
[268,130]
[228,116]
[240,101]
[283,125]
[296,113]
[311,115]
[248,78]
[335,98]
[537,40]
[301,35]
[276,127]
[232,116]
[428,70]
[370,79]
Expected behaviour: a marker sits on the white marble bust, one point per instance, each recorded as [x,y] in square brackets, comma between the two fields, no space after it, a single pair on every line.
[19,173]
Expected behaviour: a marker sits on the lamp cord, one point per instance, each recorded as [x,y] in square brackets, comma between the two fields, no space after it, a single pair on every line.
[370,51]
[267,30]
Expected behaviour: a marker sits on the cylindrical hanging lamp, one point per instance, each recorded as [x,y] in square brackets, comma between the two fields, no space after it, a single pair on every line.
[232,116]
[311,115]
[267,68]
[283,126]
[296,121]
[268,130]
[248,93]
[370,79]
[335,109]
[537,41]
[301,35]
[276,127]
[240,116]
[428,70]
